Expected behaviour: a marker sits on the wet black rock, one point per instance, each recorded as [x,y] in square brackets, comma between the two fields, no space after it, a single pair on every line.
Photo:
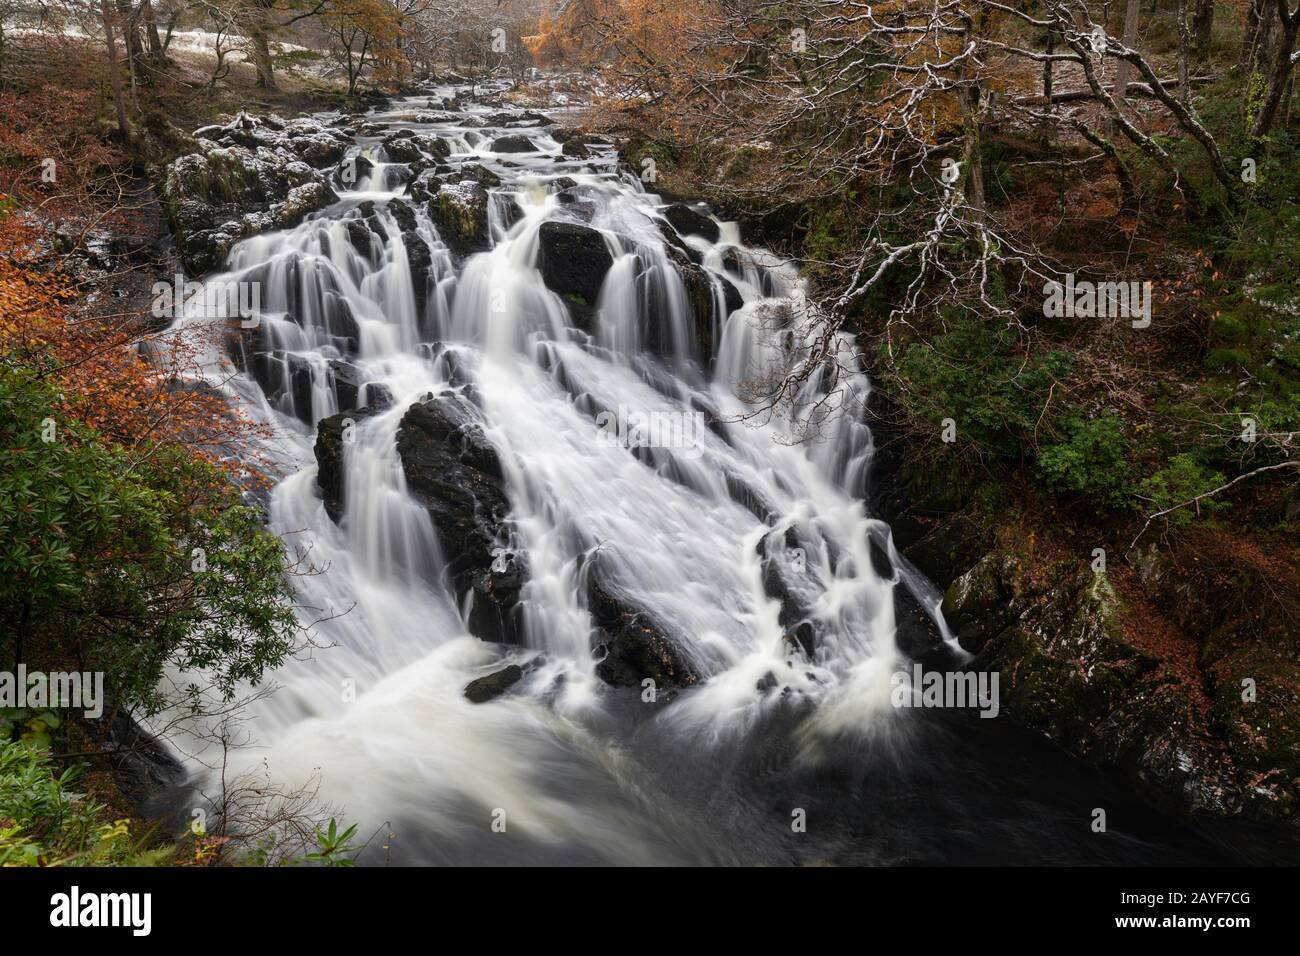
[700,297]
[435,147]
[280,374]
[376,396]
[352,171]
[332,436]
[513,143]
[483,689]
[575,148]
[361,237]
[795,616]
[573,260]
[630,646]
[460,211]
[345,382]
[368,212]
[453,471]
[419,258]
[479,174]
[688,222]
[671,237]
[403,213]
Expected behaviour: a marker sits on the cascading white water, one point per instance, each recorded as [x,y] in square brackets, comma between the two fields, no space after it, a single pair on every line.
[682,530]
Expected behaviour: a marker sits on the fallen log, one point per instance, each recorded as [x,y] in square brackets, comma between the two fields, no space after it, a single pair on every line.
[1134,89]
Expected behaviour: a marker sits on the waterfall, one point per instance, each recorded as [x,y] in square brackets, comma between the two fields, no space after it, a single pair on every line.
[744,538]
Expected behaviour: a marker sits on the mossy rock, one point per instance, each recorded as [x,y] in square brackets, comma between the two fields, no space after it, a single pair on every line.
[461,213]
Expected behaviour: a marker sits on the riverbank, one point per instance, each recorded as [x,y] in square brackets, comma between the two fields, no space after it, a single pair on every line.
[1068,483]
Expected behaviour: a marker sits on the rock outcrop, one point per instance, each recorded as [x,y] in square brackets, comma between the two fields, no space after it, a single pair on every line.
[573,260]
[460,212]
[630,646]
[453,471]
[1115,685]
[253,175]
[688,222]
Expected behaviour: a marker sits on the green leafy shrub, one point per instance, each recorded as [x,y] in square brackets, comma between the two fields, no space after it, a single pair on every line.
[44,821]
[128,565]
[1091,461]
[1181,480]
[974,375]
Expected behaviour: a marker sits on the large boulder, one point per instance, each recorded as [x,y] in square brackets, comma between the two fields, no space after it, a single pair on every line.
[301,201]
[575,148]
[630,646]
[317,144]
[479,174]
[483,689]
[416,151]
[215,198]
[453,471]
[361,238]
[403,213]
[402,147]
[688,222]
[514,143]
[332,436]
[460,211]
[435,147]
[573,260]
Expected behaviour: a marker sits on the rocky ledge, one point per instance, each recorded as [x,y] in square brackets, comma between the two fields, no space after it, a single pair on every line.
[252,175]
[1202,710]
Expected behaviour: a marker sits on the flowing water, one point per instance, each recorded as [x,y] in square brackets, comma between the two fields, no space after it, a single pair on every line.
[578,771]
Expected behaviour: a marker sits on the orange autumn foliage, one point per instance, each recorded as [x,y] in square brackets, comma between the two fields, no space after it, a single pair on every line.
[134,394]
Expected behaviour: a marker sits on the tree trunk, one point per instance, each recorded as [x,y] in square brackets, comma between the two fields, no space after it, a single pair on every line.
[171,29]
[261,46]
[1047,84]
[1203,26]
[20,636]
[1259,14]
[114,74]
[151,30]
[128,18]
[1184,53]
[1124,69]
[972,161]
[1279,73]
